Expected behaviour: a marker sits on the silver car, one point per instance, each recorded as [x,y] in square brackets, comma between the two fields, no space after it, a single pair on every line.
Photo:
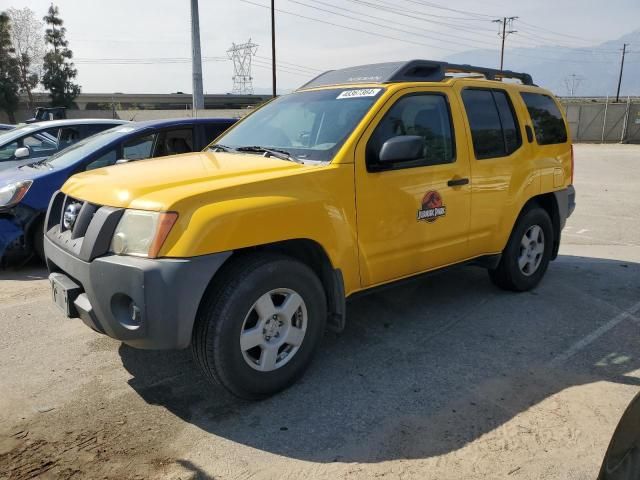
[37,141]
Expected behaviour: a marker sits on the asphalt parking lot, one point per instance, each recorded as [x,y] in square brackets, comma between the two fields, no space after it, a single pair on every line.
[442,378]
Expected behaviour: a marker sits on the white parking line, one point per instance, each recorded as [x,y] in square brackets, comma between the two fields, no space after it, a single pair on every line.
[593,336]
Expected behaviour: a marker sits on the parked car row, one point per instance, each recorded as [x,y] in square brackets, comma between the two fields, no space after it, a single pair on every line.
[28,143]
[59,149]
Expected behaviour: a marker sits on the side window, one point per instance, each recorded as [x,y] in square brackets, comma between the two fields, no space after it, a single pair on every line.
[175,142]
[97,128]
[7,151]
[104,160]
[138,148]
[68,136]
[425,115]
[546,117]
[40,143]
[211,132]
[510,127]
[494,127]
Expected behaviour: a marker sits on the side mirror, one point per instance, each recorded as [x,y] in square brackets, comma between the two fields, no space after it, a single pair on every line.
[121,161]
[403,147]
[22,152]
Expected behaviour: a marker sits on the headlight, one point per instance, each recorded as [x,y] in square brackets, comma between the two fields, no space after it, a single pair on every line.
[13,193]
[141,233]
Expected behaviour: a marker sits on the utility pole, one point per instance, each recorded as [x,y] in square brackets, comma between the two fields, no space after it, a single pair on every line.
[196,59]
[506,22]
[273,47]
[624,51]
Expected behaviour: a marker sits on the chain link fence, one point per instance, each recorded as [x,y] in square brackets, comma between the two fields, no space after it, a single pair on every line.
[603,121]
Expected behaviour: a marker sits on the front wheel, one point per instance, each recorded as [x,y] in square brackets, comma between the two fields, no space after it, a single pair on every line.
[526,257]
[260,324]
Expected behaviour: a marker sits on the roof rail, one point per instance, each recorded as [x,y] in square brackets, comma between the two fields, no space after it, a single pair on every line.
[411,71]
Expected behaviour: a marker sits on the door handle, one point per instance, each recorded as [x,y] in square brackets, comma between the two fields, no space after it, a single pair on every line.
[458,182]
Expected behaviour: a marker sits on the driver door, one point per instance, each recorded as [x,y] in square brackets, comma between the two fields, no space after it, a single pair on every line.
[413,216]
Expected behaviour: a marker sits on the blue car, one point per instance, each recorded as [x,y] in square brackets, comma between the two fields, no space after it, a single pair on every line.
[25,191]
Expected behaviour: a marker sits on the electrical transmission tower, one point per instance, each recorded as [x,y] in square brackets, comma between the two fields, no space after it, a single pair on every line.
[242,55]
[507,24]
[572,82]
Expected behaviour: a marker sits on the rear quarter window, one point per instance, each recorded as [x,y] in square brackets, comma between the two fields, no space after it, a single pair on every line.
[548,123]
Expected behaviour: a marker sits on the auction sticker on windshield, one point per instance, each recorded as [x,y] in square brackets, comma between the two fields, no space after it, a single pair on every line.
[361,92]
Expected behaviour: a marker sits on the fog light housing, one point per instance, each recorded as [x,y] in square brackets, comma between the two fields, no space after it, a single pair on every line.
[126,311]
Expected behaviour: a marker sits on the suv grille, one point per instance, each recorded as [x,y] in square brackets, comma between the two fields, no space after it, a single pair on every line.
[81,228]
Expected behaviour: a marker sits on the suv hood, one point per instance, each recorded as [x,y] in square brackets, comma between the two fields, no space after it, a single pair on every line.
[159,183]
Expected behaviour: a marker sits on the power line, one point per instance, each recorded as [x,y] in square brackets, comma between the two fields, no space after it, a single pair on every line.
[555,33]
[361,14]
[381,35]
[413,13]
[354,29]
[442,7]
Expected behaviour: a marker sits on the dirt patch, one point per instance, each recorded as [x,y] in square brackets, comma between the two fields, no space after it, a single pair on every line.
[89,438]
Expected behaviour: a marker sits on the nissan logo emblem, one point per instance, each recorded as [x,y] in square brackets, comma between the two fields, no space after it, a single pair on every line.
[70,215]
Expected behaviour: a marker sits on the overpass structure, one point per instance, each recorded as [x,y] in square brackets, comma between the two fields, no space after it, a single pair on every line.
[151,101]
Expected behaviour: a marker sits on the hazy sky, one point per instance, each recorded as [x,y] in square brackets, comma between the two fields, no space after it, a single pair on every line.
[152,29]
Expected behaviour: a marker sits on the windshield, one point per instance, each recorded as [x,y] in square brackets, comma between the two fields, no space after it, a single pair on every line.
[11,135]
[80,150]
[310,125]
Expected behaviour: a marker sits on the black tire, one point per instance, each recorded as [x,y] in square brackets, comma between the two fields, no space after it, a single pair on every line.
[38,239]
[216,335]
[508,275]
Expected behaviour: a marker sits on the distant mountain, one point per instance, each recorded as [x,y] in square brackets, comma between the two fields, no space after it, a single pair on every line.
[550,66]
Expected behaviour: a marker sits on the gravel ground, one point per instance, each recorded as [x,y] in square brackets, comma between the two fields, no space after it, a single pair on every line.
[442,378]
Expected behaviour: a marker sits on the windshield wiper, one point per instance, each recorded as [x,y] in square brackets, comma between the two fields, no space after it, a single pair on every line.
[217,146]
[271,152]
[43,162]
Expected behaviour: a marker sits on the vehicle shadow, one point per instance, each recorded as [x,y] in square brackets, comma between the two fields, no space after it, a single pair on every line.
[422,369]
[32,270]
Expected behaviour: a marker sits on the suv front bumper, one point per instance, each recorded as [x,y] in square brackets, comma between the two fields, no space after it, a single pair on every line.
[145,303]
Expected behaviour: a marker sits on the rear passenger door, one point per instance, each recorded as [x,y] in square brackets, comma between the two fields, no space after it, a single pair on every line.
[502,172]
[412,215]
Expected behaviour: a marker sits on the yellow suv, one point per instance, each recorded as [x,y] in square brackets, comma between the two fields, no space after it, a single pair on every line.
[364,176]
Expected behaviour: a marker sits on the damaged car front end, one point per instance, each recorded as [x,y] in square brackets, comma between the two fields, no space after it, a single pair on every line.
[17,223]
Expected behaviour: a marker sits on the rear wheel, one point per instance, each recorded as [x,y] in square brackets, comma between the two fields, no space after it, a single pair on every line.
[260,324]
[526,257]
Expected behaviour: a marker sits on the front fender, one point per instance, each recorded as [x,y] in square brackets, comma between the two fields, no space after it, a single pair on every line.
[318,205]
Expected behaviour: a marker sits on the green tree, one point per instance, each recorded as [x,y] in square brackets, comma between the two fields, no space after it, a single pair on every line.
[9,71]
[58,69]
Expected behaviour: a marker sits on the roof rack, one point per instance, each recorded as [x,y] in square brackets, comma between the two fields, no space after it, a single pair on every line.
[411,71]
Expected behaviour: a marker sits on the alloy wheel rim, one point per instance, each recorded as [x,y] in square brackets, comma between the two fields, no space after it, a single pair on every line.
[273,330]
[531,250]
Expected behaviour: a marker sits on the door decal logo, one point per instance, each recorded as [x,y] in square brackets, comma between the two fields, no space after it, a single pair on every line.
[432,207]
